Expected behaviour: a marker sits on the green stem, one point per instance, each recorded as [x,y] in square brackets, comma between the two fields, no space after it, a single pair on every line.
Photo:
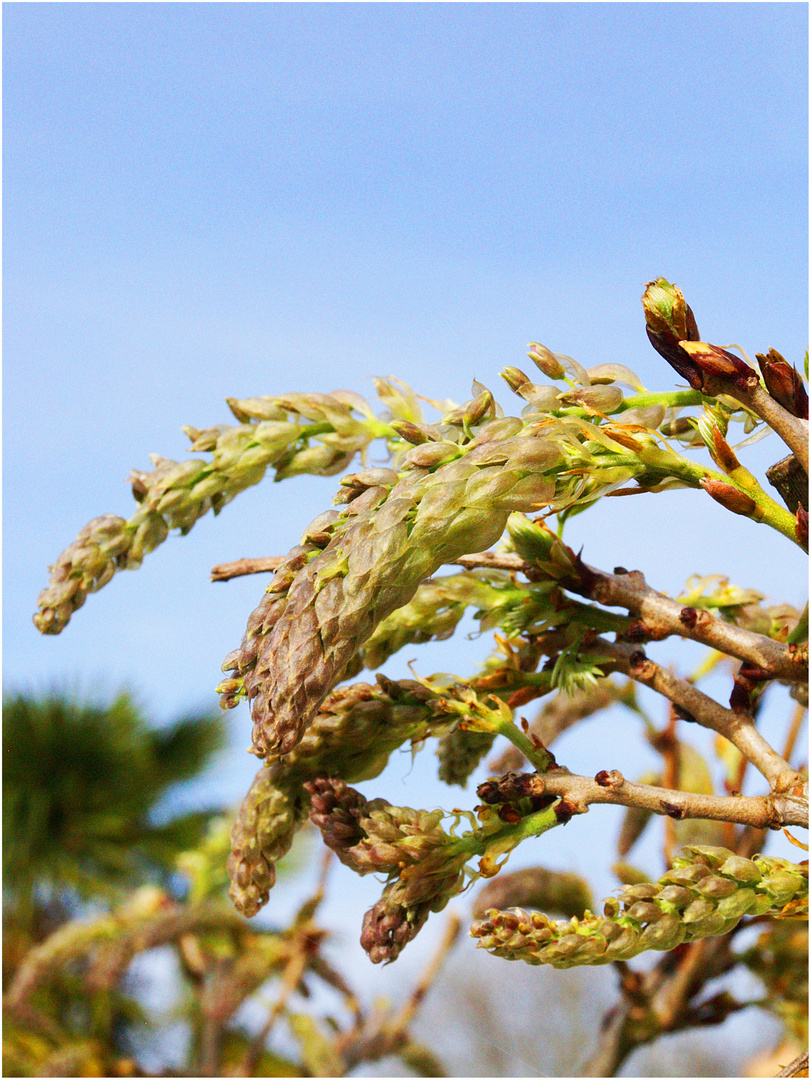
[668,398]
[479,842]
[662,463]
[535,755]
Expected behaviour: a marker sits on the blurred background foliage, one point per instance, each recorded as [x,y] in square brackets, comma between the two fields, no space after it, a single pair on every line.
[94,886]
[123,957]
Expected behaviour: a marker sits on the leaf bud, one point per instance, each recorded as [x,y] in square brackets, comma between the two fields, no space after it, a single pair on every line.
[783,383]
[717,363]
[730,497]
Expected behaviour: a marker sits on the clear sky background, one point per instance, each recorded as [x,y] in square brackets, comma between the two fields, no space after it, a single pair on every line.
[212,200]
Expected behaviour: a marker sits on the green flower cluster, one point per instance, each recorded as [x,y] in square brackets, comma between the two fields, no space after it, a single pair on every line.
[535,887]
[706,893]
[460,751]
[275,432]
[391,537]
[423,863]
[354,733]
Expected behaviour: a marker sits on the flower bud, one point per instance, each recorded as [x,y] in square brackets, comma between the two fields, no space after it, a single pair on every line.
[531,540]
[801,527]
[545,360]
[495,430]
[262,408]
[429,455]
[611,373]
[476,410]
[515,378]
[412,433]
[597,399]
[646,416]
[535,887]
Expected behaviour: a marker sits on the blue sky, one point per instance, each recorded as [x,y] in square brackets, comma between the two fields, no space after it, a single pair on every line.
[212,200]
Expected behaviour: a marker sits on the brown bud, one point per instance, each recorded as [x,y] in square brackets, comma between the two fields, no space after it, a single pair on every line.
[545,360]
[515,378]
[722,453]
[783,383]
[411,432]
[478,408]
[801,528]
[717,363]
[730,497]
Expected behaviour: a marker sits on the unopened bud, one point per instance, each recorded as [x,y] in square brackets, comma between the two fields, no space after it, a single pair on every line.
[515,378]
[783,383]
[646,416]
[411,432]
[545,360]
[713,436]
[481,406]
[801,527]
[729,497]
[670,321]
[263,408]
[598,399]
[718,363]
[531,540]
[431,454]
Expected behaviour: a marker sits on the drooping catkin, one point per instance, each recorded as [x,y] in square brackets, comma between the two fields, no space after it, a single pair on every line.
[423,863]
[354,734]
[273,432]
[707,893]
[375,564]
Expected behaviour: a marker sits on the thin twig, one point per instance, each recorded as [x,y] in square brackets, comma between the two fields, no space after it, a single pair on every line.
[291,977]
[390,1034]
[406,1013]
[661,616]
[791,429]
[293,971]
[226,571]
[794,731]
[738,727]
[610,787]
[798,1067]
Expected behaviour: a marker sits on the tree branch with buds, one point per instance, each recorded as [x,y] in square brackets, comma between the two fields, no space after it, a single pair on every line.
[365,582]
